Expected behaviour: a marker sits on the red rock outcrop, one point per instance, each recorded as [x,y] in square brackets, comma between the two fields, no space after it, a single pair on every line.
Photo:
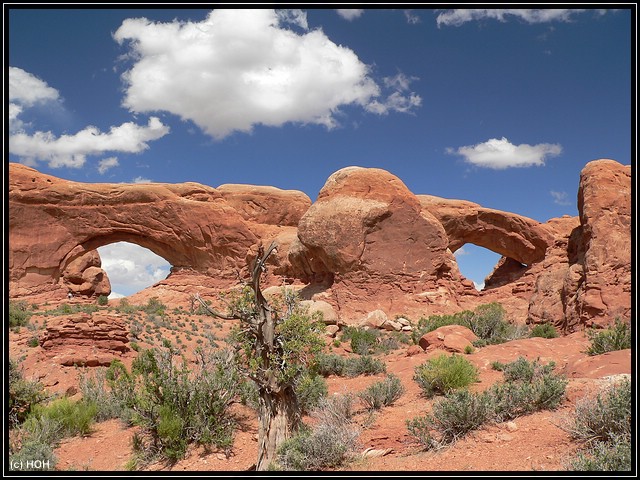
[604,203]
[83,276]
[86,339]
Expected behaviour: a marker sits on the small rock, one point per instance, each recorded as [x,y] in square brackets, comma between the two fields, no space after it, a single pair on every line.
[511,426]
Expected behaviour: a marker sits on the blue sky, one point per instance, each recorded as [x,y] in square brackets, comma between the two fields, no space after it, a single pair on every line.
[495,106]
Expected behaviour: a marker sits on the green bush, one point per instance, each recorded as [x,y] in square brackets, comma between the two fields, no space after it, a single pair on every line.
[329,364]
[19,314]
[30,451]
[363,365]
[461,411]
[443,374]
[103,300]
[310,390]
[363,340]
[74,418]
[24,395]
[545,330]
[522,369]
[173,405]
[611,456]
[154,307]
[383,393]
[94,390]
[609,340]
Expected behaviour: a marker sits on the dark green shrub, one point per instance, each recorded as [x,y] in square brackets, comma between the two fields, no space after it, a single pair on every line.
[310,389]
[19,314]
[363,365]
[545,330]
[103,300]
[443,374]
[383,393]
[609,340]
[24,395]
[33,342]
[363,340]
[329,364]
[522,369]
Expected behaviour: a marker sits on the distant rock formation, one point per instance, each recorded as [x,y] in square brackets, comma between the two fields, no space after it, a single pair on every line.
[367,243]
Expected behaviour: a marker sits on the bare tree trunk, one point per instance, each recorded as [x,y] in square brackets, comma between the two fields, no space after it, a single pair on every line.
[279,417]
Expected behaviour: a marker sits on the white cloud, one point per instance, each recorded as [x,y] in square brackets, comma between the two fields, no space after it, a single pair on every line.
[479,286]
[501,154]
[460,16]
[27,89]
[241,68]
[350,13]
[400,100]
[460,252]
[294,16]
[561,198]
[71,150]
[107,163]
[131,268]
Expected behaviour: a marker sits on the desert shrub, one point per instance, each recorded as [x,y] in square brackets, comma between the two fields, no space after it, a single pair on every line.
[154,307]
[326,364]
[94,390]
[174,406]
[19,314]
[30,451]
[433,322]
[544,330]
[383,393]
[125,307]
[363,340]
[363,365]
[33,341]
[611,456]
[310,390]
[610,339]
[604,417]
[460,411]
[102,300]
[24,394]
[444,373]
[328,445]
[74,418]
[522,369]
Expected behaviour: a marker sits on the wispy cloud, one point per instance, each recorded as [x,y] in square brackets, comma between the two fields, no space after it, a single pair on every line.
[561,198]
[350,13]
[457,17]
[411,17]
[460,252]
[107,163]
[501,154]
[241,68]
[140,180]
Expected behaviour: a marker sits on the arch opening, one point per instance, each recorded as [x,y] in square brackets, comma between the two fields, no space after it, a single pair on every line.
[131,267]
[478,263]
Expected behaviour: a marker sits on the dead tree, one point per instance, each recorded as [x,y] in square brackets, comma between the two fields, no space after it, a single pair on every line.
[265,351]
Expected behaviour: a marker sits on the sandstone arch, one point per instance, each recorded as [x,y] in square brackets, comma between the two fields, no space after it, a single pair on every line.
[514,236]
[52,222]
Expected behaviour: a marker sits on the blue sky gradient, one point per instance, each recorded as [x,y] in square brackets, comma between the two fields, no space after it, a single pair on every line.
[499,107]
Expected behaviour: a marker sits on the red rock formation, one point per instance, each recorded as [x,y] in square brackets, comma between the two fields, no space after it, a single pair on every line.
[86,339]
[604,203]
[83,276]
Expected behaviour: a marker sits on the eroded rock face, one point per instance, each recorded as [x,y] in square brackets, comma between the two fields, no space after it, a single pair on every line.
[604,203]
[86,339]
[83,276]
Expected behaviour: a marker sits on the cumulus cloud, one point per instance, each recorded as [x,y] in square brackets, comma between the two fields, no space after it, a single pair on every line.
[459,16]
[140,180]
[501,154]
[132,268]
[350,13]
[26,90]
[561,198]
[107,163]
[241,68]
[72,150]
[399,100]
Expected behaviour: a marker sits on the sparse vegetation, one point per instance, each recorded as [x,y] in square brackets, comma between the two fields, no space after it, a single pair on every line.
[19,314]
[443,374]
[461,411]
[610,339]
[603,425]
[383,393]
[544,330]
[24,394]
